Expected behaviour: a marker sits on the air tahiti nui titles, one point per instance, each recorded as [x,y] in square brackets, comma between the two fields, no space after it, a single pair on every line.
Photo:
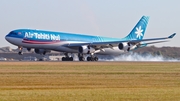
[42,36]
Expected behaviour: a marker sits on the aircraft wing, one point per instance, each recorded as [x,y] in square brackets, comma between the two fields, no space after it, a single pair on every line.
[110,44]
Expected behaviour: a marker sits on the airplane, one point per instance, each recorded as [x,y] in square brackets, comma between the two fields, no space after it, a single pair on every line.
[84,45]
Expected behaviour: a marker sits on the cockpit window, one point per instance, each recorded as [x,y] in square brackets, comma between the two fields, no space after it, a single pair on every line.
[13,33]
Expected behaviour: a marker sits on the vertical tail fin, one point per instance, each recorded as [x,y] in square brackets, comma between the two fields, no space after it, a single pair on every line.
[139,30]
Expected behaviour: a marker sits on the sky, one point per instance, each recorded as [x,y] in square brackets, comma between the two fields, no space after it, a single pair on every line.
[110,18]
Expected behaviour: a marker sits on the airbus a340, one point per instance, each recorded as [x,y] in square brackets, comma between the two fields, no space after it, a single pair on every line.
[83,45]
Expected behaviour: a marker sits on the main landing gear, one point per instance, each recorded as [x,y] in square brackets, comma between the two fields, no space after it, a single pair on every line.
[92,58]
[67,58]
[89,58]
[81,57]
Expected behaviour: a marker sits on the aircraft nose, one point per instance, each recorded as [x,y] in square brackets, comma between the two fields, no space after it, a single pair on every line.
[7,38]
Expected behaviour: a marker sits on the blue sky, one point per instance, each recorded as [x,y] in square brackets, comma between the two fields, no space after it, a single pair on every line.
[111,18]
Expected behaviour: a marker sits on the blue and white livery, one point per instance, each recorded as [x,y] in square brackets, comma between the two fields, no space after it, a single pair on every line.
[44,41]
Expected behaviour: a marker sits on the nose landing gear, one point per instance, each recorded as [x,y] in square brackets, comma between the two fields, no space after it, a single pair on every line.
[20,50]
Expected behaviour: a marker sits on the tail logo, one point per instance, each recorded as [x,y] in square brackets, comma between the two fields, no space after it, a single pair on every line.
[139,32]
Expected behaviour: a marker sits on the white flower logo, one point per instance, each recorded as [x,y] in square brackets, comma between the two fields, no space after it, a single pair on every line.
[139,32]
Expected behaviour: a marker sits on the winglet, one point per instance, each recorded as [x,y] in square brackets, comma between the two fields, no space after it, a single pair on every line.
[171,36]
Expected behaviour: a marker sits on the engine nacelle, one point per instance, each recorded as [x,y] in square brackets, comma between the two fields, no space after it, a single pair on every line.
[126,46]
[86,49]
[41,51]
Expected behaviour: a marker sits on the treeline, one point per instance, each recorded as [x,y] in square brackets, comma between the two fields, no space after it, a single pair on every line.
[173,52]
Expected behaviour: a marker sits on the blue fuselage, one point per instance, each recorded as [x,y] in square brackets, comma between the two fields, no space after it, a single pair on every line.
[40,39]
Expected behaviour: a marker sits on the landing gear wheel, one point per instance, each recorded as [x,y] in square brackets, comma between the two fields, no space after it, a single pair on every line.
[81,58]
[20,53]
[67,58]
[88,58]
[95,58]
[70,58]
[63,58]
[20,50]
[92,58]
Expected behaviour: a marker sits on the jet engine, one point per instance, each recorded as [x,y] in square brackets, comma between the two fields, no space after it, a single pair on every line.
[86,49]
[126,46]
[41,51]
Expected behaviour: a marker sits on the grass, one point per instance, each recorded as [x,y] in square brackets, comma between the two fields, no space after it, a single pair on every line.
[89,81]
